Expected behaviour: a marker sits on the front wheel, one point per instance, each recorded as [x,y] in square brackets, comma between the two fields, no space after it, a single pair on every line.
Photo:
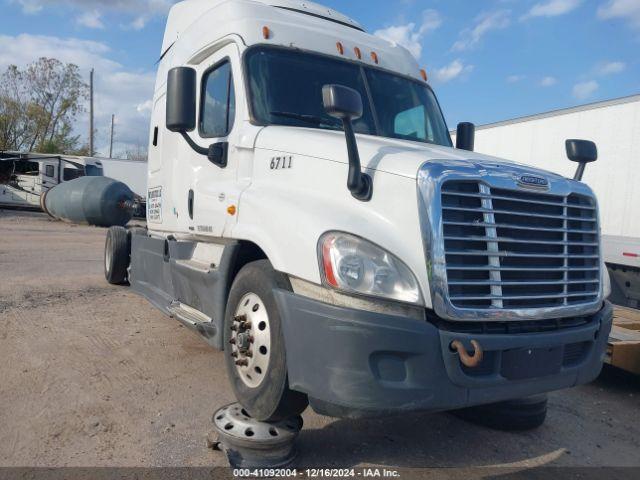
[254,345]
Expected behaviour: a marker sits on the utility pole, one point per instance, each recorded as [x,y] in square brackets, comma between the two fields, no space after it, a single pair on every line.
[91,150]
[113,118]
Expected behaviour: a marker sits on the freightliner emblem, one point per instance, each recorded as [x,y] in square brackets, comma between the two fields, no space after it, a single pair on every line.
[533,181]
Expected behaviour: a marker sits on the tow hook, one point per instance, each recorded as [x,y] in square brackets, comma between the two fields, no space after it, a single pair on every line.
[467,360]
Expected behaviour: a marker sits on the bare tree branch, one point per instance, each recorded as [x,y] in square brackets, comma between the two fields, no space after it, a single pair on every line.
[38,106]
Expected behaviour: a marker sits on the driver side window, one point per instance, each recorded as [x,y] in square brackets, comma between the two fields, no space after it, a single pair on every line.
[217,111]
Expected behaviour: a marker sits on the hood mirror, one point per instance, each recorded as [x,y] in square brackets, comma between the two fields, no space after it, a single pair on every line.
[465,136]
[346,104]
[583,152]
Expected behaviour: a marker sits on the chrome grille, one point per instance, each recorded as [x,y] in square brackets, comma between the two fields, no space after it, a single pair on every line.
[515,249]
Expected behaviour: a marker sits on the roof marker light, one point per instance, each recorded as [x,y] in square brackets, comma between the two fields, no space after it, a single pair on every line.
[423,74]
[358,53]
[266,32]
[340,48]
[374,57]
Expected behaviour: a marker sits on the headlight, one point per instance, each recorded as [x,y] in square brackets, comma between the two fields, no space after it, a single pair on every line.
[352,264]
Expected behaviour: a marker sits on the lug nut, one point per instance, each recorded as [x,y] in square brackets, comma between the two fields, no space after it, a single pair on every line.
[232,341]
[246,325]
[234,354]
[251,339]
[240,318]
[242,363]
[233,328]
[248,354]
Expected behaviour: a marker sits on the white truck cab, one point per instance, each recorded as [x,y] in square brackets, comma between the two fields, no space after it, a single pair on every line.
[308,214]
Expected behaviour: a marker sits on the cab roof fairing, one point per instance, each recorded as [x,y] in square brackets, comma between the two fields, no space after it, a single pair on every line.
[243,20]
[184,13]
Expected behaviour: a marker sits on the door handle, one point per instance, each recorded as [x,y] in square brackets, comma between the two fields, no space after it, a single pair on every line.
[190,200]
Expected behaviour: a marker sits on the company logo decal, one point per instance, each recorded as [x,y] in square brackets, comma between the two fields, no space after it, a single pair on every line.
[533,181]
[154,205]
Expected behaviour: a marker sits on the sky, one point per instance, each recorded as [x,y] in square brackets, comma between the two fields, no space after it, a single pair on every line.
[487,60]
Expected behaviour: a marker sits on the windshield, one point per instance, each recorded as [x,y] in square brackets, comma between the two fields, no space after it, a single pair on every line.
[286,89]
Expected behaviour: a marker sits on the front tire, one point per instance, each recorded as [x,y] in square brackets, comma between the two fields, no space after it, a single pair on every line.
[513,415]
[117,255]
[254,345]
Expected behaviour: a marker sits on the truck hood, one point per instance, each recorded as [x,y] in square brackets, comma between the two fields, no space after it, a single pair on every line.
[397,157]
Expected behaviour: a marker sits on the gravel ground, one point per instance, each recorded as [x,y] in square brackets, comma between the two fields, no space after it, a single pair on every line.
[92,375]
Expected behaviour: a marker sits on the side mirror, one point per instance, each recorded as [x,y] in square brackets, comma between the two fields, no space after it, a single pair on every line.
[181,113]
[181,99]
[345,104]
[465,136]
[583,152]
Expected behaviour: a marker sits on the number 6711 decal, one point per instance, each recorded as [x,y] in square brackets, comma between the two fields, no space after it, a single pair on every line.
[279,163]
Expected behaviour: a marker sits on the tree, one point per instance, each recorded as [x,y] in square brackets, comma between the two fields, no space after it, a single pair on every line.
[39,105]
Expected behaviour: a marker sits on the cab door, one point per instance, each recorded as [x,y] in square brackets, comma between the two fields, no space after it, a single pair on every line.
[214,191]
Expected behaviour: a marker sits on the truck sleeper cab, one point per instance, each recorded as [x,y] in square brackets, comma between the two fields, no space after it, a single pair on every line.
[308,214]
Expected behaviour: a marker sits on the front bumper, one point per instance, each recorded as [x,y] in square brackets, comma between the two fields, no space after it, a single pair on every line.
[354,363]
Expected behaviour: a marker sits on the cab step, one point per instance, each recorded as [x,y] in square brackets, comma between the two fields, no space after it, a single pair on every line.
[192,318]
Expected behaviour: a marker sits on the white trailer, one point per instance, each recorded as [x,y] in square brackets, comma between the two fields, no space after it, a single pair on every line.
[308,214]
[133,173]
[614,125]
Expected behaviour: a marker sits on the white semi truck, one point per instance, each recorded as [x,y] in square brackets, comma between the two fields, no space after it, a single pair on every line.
[308,214]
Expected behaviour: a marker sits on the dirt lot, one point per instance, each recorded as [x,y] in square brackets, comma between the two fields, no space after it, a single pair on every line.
[92,375]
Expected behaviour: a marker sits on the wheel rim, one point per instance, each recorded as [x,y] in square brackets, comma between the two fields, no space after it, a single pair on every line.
[107,255]
[251,340]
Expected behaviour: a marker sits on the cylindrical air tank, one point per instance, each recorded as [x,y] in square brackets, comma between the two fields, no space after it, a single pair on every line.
[99,201]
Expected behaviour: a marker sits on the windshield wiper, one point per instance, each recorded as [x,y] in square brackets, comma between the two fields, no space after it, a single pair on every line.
[313,119]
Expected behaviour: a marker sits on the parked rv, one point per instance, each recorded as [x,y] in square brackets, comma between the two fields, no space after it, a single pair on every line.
[539,141]
[24,177]
[308,214]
